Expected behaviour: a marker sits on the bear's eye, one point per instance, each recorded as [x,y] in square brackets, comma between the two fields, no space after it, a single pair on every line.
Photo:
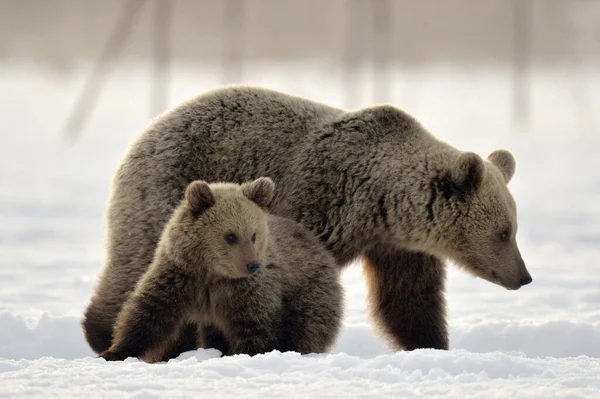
[231,238]
[254,237]
[504,236]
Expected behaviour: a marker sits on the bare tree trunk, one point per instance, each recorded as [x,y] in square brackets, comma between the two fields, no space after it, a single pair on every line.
[354,52]
[233,40]
[162,26]
[381,49]
[522,52]
[94,83]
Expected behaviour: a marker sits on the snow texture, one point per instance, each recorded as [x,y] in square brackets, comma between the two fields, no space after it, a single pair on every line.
[540,341]
[423,373]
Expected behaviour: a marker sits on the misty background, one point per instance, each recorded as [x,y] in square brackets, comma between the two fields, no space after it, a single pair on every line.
[503,63]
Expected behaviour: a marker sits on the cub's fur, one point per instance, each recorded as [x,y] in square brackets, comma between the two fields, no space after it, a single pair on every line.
[239,279]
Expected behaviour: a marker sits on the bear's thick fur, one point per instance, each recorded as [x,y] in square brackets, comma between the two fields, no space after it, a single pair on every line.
[248,282]
[370,183]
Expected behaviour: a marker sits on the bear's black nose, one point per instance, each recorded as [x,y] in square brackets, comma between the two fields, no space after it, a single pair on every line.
[252,266]
[526,280]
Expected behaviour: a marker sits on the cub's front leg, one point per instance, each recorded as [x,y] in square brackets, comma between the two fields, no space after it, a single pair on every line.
[151,318]
[251,314]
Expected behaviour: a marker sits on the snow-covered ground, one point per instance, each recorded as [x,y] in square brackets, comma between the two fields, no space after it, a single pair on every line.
[540,341]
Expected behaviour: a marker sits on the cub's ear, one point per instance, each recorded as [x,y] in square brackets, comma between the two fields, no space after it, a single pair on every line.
[199,197]
[259,191]
[504,161]
[467,172]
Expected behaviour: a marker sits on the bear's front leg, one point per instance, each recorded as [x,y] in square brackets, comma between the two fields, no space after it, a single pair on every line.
[251,314]
[406,295]
[253,336]
[150,320]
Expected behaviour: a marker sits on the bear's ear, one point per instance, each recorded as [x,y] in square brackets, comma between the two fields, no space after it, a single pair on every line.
[199,197]
[467,172]
[504,161]
[259,191]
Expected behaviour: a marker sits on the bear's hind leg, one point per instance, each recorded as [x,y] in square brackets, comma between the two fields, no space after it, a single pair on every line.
[406,297]
[97,326]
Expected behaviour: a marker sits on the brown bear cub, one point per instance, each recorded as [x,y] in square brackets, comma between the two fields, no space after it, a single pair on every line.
[245,281]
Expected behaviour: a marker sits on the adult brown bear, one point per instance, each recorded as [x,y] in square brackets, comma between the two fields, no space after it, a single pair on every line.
[371,183]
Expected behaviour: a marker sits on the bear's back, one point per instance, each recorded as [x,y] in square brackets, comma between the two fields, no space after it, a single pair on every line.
[216,135]
[226,111]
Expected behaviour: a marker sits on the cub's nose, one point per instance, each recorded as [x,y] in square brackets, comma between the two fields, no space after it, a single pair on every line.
[253,266]
[526,280]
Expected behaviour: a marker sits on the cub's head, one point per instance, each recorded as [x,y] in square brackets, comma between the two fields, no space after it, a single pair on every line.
[476,218]
[222,226]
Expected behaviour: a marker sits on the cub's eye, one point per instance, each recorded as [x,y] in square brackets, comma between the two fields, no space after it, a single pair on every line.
[504,236]
[254,237]
[231,238]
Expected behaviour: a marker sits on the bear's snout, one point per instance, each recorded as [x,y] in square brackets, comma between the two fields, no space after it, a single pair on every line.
[525,277]
[253,266]
[526,280]
[520,280]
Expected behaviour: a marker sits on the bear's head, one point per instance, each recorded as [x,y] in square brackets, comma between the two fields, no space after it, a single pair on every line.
[222,227]
[477,218]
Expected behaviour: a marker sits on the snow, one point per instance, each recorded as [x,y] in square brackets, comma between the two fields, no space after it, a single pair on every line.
[423,373]
[540,341]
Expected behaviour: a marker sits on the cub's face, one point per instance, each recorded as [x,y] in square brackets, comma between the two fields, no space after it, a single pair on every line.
[224,227]
[238,238]
[481,234]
